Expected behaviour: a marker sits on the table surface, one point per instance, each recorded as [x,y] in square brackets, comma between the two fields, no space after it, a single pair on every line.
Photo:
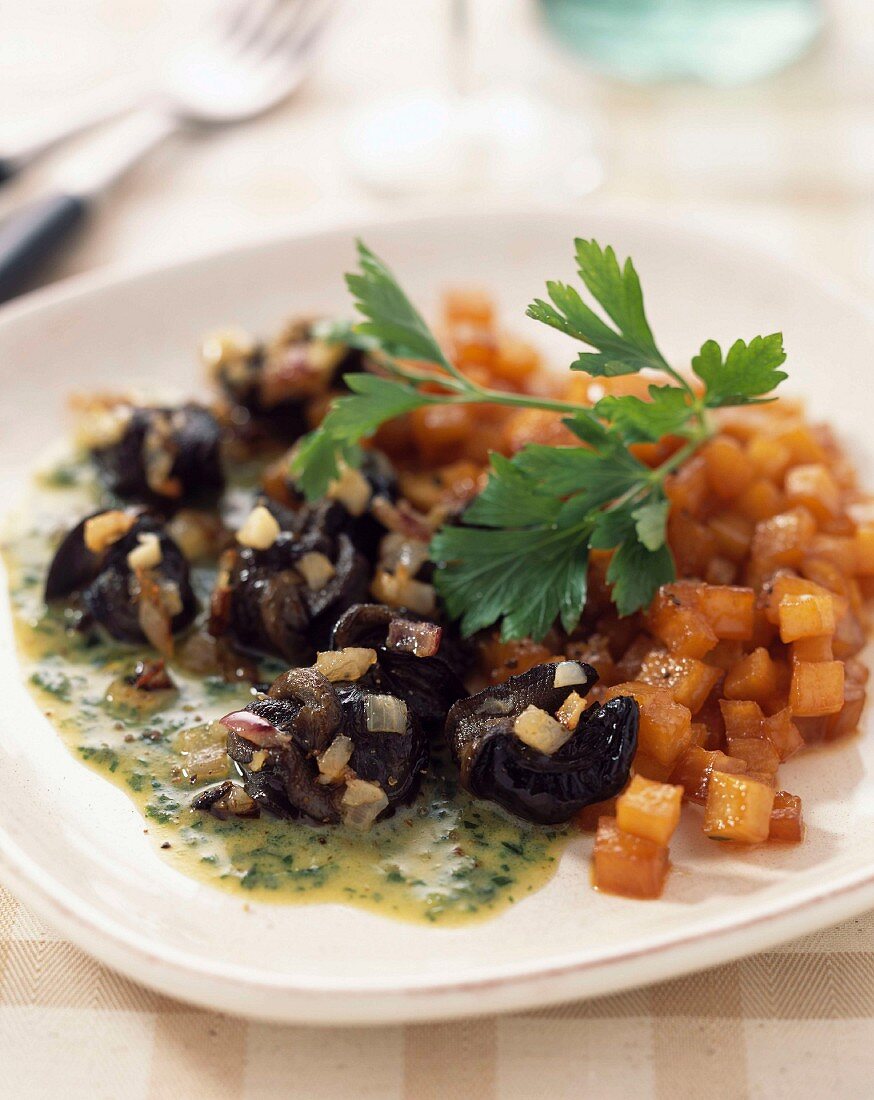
[788,163]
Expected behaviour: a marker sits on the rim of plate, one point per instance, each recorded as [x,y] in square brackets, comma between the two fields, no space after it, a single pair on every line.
[218,985]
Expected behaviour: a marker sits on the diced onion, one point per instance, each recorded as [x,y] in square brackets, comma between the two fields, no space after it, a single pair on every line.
[351,489]
[362,803]
[147,553]
[420,639]
[254,728]
[568,673]
[345,664]
[236,803]
[332,762]
[403,519]
[400,590]
[399,549]
[260,529]
[385,714]
[571,710]
[540,730]
[153,617]
[101,424]
[316,569]
[493,707]
[103,530]
[226,346]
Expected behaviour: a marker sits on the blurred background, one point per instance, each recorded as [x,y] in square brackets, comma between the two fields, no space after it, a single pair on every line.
[754,117]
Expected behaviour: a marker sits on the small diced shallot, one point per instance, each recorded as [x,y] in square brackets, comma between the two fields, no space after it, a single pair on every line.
[260,529]
[540,731]
[362,803]
[568,673]
[397,549]
[332,762]
[420,639]
[399,589]
[385,714]
[345,664]
[105,529]
[351,489]
[649,809]
[147,553]
[571,710]
[316,569]
[254,728]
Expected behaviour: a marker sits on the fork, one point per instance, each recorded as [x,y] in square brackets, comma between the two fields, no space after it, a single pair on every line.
[253,55]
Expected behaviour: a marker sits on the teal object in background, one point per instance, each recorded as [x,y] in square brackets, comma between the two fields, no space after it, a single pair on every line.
[716,41]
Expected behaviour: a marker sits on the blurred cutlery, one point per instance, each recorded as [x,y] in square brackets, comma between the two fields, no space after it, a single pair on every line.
[254,54]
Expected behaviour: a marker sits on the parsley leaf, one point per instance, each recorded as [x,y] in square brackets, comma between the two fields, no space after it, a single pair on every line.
[373,401]
[650,521]
[666,413]
[641,561]
[520,553]
[627,349]
[600,476]
[748,372]
[637,573]
[511,498]
[395,324]
[486,574]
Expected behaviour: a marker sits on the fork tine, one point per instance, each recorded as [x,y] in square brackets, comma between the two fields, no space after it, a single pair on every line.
[250,19]
[298,31]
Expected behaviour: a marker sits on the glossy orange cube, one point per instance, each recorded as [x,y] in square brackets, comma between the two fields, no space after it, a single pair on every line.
[812,649]
[628,865]
[782,732]
[783,539]
[817,688]
[737,808]
[806,616]
[729,469]
[757,753]
[649,809]
[753,677]
[733,533]
[689,681]
[847,719]
[674,618]
[812,486]
[787,823]
[864,542]
[695,767]
[730,611]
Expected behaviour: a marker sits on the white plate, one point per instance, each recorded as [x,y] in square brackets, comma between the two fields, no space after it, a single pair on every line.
[72,846]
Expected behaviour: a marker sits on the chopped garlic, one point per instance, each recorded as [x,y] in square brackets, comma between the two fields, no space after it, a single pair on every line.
[568,673]
[147,554]
[226,347]
[332,762]
[385,714]
[398,589]
[259,759]
[570,712]
[351,489]
[316,569]
[105,529]
[540,730]
[100,425]
[260,530]
[362,803]
[345,664]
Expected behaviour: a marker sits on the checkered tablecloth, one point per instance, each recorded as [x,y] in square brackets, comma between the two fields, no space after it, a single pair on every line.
[789,164]
[794,1022]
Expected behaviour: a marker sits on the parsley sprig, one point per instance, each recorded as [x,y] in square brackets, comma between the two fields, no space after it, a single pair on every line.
[520,554]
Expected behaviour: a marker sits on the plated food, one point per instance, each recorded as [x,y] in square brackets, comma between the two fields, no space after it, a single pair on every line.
[477,607]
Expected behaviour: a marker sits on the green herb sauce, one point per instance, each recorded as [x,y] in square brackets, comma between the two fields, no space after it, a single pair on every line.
[446,859]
